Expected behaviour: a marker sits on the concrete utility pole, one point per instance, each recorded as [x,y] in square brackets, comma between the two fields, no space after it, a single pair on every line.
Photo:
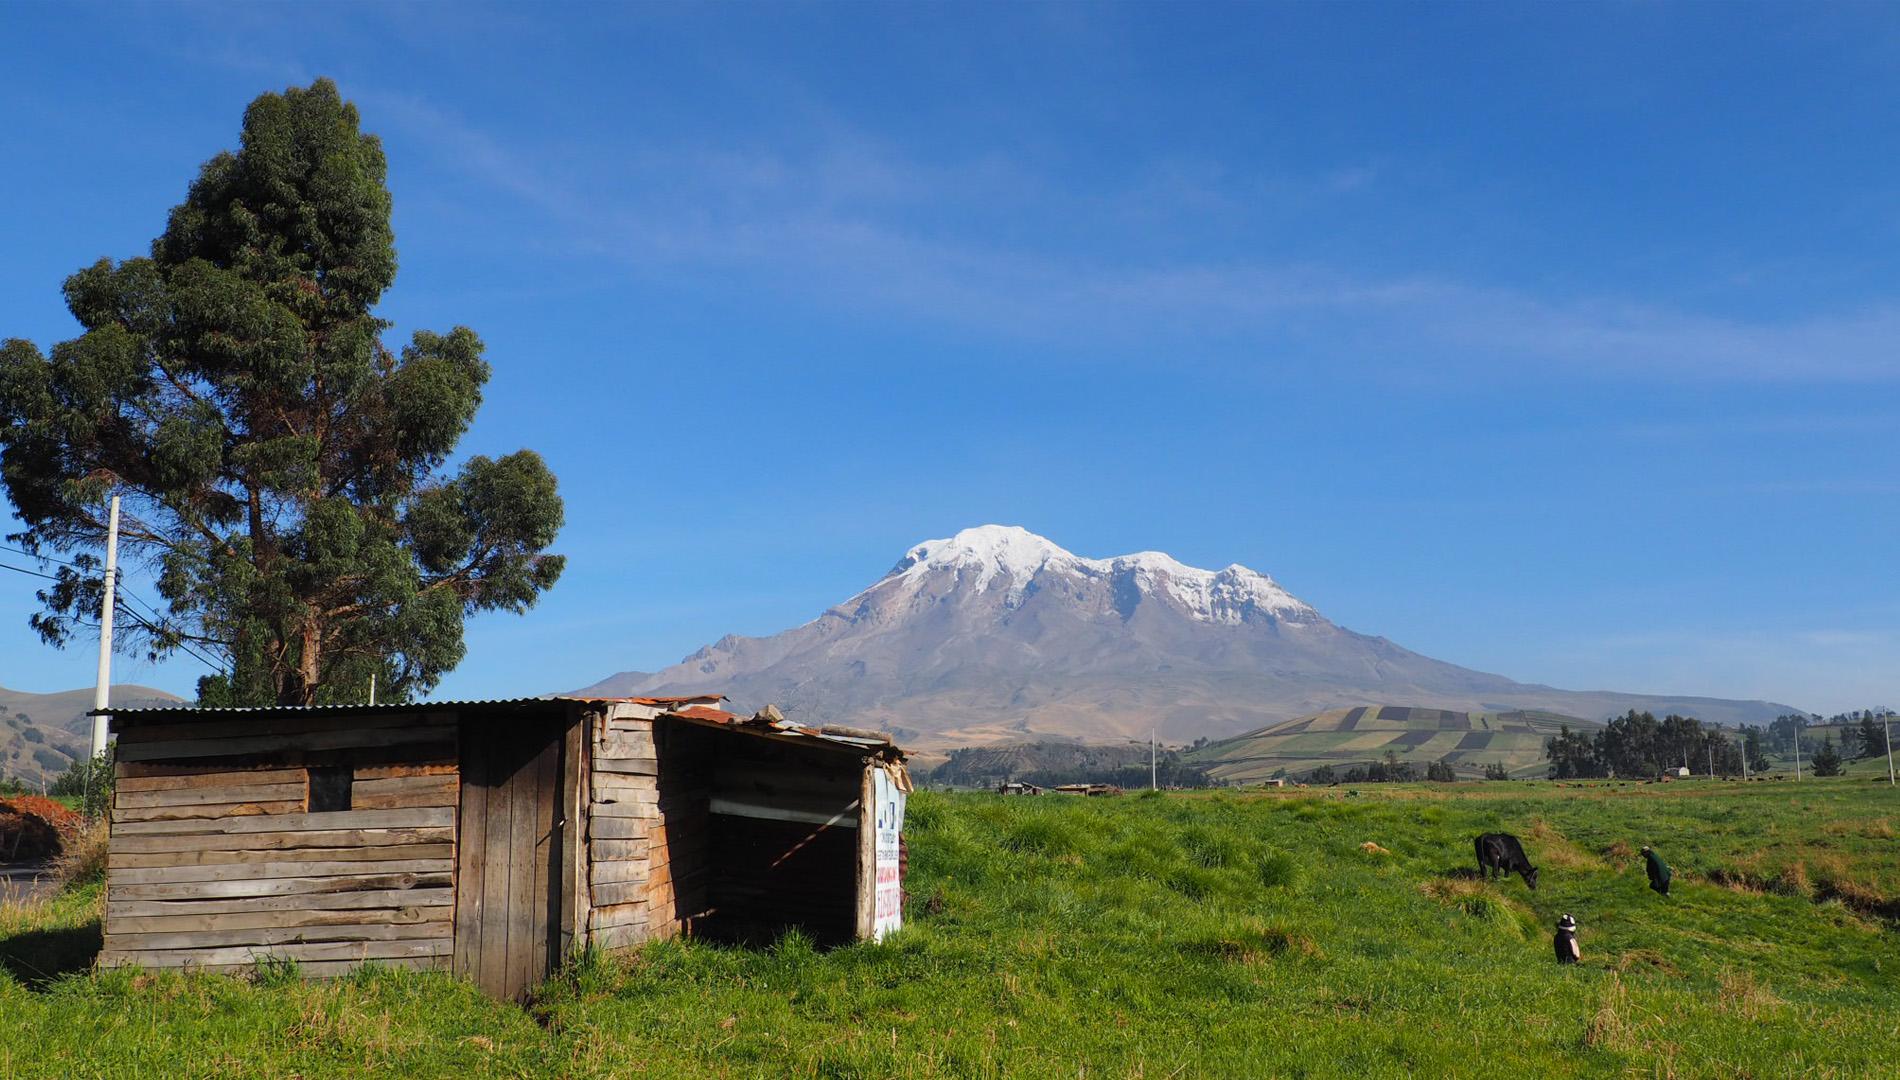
[1797,752]
[1154,774]
[1886,725]
[372,688]
[101,693]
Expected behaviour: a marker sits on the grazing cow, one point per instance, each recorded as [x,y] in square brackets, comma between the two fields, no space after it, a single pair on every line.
[1501,852]
[1657,870]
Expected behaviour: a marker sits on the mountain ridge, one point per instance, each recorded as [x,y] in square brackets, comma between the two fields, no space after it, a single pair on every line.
[998,634]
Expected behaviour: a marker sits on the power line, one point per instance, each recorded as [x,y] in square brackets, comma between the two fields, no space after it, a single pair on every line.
[29,573]
[38,555]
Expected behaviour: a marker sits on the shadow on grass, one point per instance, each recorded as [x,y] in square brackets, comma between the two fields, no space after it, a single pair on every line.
[38,957]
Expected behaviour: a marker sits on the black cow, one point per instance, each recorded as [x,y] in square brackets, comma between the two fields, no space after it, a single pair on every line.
[1501,852]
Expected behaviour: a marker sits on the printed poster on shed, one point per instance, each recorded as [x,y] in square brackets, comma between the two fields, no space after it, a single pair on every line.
[890,829]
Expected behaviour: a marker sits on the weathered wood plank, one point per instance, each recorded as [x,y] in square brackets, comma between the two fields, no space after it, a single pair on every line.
[632,766]
[352,738]
[157,875]
[272,841]
[606,873]
[416,818]
[524,825]
[326,969]
[211,776]
[802,811]
[249,954]
[624,787]
[200,796]
[429,783]
[282,886]
[606,894]
[626,746]
[574,900]
[140,814]
[472,859]
[395,772]
[383,899]
[132,732]
[616,915]
[275,935]
[619,828]
[612,850]
[129,860]
[497,872]
[621,937]
[244,920]
[639,811]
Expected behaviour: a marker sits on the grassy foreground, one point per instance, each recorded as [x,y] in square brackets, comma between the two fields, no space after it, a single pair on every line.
[1216,934]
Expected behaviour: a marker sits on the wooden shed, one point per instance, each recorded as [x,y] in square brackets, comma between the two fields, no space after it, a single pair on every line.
[490,838]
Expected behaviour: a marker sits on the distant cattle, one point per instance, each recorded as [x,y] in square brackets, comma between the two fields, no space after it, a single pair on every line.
[1500,852]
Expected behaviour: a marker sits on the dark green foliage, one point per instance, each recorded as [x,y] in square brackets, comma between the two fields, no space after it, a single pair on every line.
[1440,771]
[1496,771]
[1637,745]
[1323,775]
[1827,760]
[280,465]
[1047,764]
[50,759]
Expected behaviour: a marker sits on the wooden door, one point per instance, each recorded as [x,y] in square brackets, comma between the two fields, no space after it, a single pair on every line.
[507,889]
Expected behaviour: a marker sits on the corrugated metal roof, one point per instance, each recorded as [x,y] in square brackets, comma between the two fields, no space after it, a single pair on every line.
[687,707]
[401,706]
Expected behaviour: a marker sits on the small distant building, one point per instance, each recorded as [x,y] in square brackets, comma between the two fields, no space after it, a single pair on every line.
[1017,787]
[491,838]
[1086,789]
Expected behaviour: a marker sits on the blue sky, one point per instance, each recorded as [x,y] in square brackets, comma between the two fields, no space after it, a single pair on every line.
[1561,341]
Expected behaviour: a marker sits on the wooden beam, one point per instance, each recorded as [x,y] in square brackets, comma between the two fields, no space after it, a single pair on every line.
[416,818]
[338,901]
[867,858]
[212,776]
[275,935]
[271,841]
[281,886]
[129,860]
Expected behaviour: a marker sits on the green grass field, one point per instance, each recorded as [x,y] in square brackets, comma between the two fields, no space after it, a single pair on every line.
[1179,935]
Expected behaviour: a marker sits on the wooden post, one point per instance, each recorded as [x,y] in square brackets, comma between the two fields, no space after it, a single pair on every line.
[574,833]
[867,855]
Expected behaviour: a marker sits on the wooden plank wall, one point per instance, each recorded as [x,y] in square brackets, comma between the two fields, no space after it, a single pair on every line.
[216,862]
[648,830]
[623,785]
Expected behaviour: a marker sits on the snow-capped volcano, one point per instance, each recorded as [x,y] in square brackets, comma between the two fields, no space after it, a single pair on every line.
[997,633]
[1010,557]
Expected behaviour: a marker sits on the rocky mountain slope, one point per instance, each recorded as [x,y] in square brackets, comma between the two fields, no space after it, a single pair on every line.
[42,734]
[997,634]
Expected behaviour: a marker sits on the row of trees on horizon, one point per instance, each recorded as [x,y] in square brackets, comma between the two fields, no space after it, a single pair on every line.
[1638,745]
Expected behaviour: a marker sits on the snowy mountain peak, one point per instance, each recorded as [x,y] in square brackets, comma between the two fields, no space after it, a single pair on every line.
[1010,557]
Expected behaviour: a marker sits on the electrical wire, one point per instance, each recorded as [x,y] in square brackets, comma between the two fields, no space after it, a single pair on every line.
[29,573]
[37,555]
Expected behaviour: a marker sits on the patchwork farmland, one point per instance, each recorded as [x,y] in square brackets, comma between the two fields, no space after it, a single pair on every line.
[1343,738]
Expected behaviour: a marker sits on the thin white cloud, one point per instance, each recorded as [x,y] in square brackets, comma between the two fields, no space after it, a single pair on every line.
[849,224]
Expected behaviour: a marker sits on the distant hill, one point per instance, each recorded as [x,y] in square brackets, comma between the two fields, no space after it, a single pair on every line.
[1343,738]
[997,635]
[41,735]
